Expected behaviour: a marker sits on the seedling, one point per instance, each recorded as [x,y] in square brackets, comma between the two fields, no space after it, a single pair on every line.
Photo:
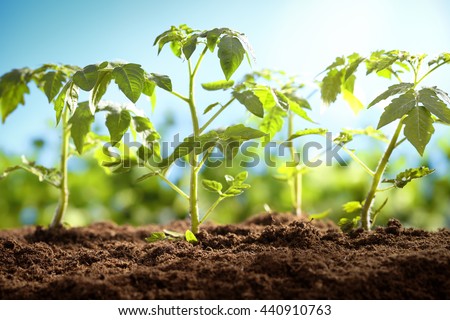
[54,81]
[282,100]
[413,110]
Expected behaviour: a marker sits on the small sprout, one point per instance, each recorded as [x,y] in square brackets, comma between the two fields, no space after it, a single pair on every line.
[156,236]
[190,237]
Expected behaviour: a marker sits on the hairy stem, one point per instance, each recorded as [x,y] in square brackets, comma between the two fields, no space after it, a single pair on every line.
[203,128]
[193,158]
[296,179]
[367,207]
[63,188]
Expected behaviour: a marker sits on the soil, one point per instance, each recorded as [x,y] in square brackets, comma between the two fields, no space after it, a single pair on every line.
[271,256]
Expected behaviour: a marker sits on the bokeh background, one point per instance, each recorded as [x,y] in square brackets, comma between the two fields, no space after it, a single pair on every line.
[299,37]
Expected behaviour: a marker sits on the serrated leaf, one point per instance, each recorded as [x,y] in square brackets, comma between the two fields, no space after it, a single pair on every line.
[231,53]
[190,237]
[162,81]
[130,79]
[13,87]
[212,185]
[405,177]
[81,122]
[156,236]
[86,78]
[338,62]
[331,86]
[60,101]
[51,83]
[266,96]
[250,101]
[241,132]
[419,128]
[210,107]
[392,91]
[296,109]
[149,87]
[49,175]
[397,108]
[272,123]
[305,132]
[218,85]
[99,89]
[352,206]
[432,103]
[117,124]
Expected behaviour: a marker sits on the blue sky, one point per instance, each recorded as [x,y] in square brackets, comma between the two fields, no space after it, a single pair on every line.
[300,37]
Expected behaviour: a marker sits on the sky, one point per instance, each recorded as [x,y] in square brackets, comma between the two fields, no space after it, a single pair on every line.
[300,37]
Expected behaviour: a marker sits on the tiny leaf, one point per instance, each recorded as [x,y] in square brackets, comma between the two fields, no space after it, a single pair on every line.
[212,185]
[210,107]
[305,132]
[86,78]
[162,81]
[156,236]
[218,85]
[190,237]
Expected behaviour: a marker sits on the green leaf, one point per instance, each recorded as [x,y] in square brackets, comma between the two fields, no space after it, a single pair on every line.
[211,38]
[231,53]
[295,108]
[130,79]
[347,224]
[240,178]
[212,185]
[99,90]
[86,78]
[331,86]
[272,123]
[338,62]
[81,125]
[369,131]
[436,106]
[405,177]
[218,85]
[156,236]
[162,81]
[52,82]
[347,94]
[241,132]
[397,108]
[142,124]
[189,46]
[60,101]
[282,100]
[306,132]
[13,87]
[149,87]
[320,215]
[391,91]
[49,175]
[266,96]
[419,128]
[250,101]
[190,237]
[352,206]
[117,124]
[210,107]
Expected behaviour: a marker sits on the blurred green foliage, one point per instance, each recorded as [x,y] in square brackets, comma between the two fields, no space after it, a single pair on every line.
[96,195]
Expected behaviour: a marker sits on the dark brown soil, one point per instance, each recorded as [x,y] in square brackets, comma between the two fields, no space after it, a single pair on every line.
[267,257]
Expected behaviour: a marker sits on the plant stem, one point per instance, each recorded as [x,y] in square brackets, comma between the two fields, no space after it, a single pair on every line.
[178,95]
[367,207]
[358,160]
[211,209]
[169,183]
[193,158]
[296,179]
[63,188]
[216,115]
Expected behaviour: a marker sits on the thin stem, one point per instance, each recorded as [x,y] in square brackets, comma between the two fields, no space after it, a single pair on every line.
[205,157]
[63,188]
[203,128]
[430,71]
[211,209]
[385,189]
[400,142]
[358,160]
[193,158]
[169,183]
[414,70]
[367,207]
[178,95]
[297,177]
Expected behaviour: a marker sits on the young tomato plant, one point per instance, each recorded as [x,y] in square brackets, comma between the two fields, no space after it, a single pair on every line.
[55,82]
[281,98]
[413,109]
